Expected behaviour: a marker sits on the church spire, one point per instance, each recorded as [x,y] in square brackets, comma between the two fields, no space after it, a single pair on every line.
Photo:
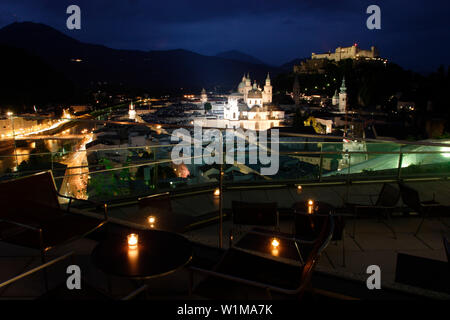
[343,87]
[268,79]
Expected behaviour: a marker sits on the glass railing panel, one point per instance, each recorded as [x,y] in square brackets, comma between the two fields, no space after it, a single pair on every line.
[425,161]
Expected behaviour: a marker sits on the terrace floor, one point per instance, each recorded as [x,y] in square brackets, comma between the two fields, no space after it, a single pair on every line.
[374,243]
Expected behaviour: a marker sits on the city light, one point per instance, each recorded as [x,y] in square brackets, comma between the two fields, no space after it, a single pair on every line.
[151,220]
[445,149]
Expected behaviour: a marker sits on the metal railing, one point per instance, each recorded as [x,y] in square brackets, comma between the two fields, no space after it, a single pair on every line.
[117,173]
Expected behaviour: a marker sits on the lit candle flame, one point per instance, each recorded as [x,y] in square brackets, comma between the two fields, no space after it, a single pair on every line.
[275,243]
[132,240]
[310,206]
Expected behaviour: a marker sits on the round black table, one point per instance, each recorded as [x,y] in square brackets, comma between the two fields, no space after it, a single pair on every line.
[158,253]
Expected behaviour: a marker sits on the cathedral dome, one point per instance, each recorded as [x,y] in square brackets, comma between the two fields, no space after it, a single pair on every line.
[241,85]
[254,94]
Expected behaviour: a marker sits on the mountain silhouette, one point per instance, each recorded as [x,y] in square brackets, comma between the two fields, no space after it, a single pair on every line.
[153,71]
[239,56]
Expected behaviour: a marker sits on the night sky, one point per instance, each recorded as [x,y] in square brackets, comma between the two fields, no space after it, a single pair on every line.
[414,34]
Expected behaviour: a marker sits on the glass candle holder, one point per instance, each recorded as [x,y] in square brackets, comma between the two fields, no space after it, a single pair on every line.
[310,206]
[132,240]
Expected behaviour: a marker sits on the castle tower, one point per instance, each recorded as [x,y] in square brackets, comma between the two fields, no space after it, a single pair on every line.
[296,91]
[343,97]
[203,96]
[131,112]
[267,93]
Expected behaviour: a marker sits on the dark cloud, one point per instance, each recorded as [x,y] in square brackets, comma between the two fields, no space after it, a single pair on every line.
[414,33]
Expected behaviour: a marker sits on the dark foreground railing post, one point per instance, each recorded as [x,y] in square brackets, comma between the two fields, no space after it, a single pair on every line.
[321,163]
[220,207]
[348,175]
[400,160]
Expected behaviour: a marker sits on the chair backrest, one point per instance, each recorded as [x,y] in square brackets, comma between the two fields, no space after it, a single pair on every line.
[157,204]
[389,196]
[324,238]
[37,189]
[410,197]
[447,248]
[258,214]
[310,226]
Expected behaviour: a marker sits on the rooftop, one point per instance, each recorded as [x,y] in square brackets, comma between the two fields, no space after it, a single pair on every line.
[311,167]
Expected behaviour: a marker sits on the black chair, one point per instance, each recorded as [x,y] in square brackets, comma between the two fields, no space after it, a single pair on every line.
[254,214]
[308,226]
[382,207]
[422,272]
[411,199]
[270,275]
[32,216]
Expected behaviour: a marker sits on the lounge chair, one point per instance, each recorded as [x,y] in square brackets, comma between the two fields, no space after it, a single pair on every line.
[32,216]
[385,203]
[411,199]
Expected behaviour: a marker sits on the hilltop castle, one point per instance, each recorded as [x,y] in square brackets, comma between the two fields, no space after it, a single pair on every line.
[318,62]
[353,52]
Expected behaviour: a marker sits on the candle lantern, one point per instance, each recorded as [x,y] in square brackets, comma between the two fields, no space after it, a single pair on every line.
[132,239]
[310,206]
[275,247]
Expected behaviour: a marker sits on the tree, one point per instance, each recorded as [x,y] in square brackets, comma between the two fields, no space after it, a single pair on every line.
[299,120]
[207,106]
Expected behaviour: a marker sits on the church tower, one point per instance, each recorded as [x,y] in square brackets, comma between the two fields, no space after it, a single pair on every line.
[343,97]
[131,112]
[296,91]
[267,93]
[203,96]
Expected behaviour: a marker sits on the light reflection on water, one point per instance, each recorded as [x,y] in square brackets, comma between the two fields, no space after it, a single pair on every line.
[7,156]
